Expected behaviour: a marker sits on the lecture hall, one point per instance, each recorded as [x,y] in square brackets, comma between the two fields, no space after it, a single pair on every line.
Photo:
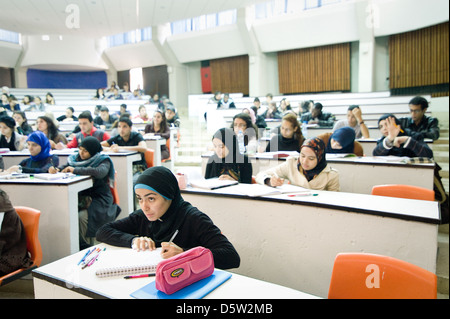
[225,150]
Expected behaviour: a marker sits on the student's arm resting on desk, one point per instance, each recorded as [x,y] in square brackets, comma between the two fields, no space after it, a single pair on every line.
[281,171]
[196,230]
[97,172]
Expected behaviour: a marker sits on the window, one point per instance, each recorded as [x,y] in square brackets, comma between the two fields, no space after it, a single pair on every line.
[136,78]
[279,7]
[10,36]
[129,37]
[204,22]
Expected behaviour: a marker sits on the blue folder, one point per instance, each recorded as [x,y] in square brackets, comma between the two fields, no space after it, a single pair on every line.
[197,290]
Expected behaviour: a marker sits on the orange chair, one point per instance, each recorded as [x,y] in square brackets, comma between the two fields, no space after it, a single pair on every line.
[30,220]
[403,191]
[149,157]
[170,155]
[114,192]
[370,276]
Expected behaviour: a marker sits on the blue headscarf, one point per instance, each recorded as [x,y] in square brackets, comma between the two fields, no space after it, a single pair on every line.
[39,138]
[346,137]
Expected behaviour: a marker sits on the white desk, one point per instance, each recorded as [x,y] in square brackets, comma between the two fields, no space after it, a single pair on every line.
[155,144]
[64,279]
[360,174]
[123,164]
[293,241]
[58,202]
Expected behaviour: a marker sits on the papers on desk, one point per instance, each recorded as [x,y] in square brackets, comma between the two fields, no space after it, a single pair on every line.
[4,150]
[256,190]
[14,176]
[195,179]
[339,155]
[51,177]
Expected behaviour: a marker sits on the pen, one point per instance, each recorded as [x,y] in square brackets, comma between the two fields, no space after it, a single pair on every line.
[173,237]
[140,276]
[85,255]
[302,194]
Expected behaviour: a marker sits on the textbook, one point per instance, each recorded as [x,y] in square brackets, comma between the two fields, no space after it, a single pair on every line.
[4,150]
[279,154]
[197,290]
[255,190]
[127,262]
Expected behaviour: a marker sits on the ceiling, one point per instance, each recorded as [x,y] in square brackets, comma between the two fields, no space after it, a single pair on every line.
[98,18]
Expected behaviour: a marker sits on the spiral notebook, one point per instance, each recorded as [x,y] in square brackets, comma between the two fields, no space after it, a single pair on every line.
[127,262]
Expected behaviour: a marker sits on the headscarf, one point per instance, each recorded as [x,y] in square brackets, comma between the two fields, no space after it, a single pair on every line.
[318,146]
[39,138]
[229,164]
[346,137]
[93,146]
[162,181]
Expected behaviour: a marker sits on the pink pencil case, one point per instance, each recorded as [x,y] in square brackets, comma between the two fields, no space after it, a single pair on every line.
[184,269]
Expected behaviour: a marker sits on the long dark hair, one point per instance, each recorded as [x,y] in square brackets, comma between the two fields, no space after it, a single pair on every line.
[163,125]
[52,130]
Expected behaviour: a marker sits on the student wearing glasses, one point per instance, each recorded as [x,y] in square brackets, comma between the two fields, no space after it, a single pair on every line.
[419,125]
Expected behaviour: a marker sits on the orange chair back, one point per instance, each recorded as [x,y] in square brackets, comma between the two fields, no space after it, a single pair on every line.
[370,276]
[170,155]
[404,191]
[114,192]
[149,157]
[30,220]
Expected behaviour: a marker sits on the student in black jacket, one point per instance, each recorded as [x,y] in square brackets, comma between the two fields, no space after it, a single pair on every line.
[163,212]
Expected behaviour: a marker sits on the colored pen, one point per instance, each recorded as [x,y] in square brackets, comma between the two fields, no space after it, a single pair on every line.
[302,194]
[85,255]
[140,276]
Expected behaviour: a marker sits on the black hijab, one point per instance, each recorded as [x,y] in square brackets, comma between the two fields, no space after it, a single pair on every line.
[230,164]
[161,180]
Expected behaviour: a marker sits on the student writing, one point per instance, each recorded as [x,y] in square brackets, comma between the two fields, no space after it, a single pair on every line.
[309,170]
[163,212]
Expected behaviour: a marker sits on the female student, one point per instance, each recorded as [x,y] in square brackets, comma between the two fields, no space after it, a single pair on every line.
[309,170]
[40,159]
[47,126]
[342,141]
[164,212]
[396,142]
[9,138]
[159,127]
[13,240]
[290,137]
[95,204]
[242,122]
[22,126]
[227,162]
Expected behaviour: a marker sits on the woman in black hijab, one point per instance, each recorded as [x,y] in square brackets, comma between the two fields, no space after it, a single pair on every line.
[97,201]
[227,162]
[163,213]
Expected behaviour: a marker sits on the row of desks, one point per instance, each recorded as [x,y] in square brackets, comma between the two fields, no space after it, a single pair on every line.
[359,174]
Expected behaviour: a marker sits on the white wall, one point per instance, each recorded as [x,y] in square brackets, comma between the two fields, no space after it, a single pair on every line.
[70,52]
[9,54]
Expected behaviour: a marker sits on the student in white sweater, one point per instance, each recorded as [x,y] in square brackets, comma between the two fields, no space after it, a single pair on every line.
[309,170]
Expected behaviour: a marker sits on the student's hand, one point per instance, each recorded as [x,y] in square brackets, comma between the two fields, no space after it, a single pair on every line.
[358,114]
[169,250]
[143,243]
[226,177]
[52,144]
[59,146]
[399,140]
[68,169]
[53,170]
[392,128]
[114,148]
[313,122]
[13,169]
[276,181]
